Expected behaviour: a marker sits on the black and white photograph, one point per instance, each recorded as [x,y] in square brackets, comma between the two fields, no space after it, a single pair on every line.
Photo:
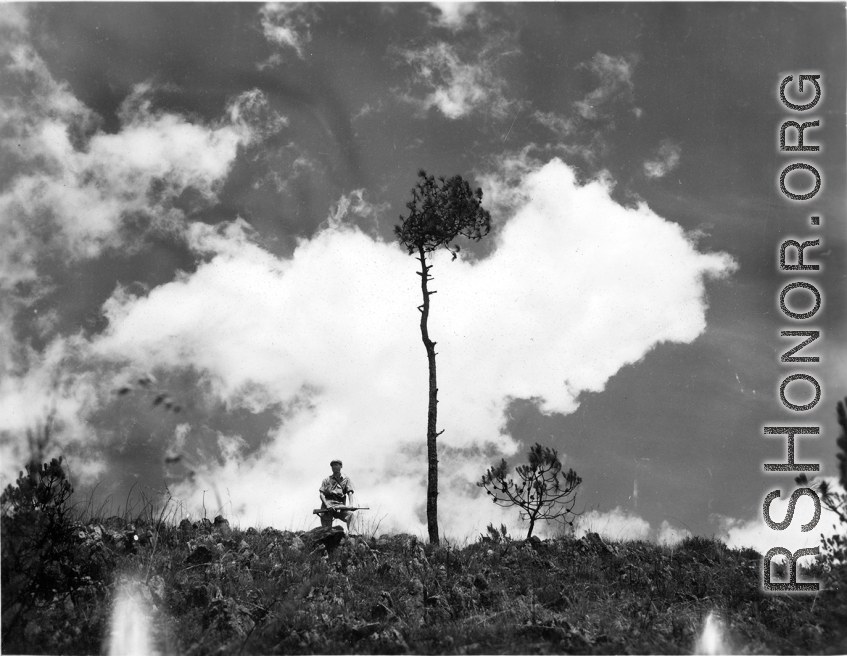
[423,328]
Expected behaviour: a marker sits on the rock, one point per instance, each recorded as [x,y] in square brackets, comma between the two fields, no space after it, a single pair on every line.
[199,596]
[204,525]
[221,526]
[123,541]
[364,630]
[595,542]
[114,523]
[97,533]
[480,582]
[297,545]
[200,556]
[329,537]
[534,541]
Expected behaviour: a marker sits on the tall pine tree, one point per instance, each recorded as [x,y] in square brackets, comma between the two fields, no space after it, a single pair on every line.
[440,211]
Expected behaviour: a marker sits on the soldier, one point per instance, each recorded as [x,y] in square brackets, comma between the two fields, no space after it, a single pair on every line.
[334,491]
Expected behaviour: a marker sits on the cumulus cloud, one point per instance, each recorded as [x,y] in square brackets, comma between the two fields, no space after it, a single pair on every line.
[615,75]
[665,160]
[74,191]
[287,24]
[669,534]
[75,188]
[617,524]
[328,339]
[73,201]
[456,87]
[622,525]
[502,181]
[754,533]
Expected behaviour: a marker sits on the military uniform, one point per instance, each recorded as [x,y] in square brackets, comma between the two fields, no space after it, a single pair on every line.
[335,490]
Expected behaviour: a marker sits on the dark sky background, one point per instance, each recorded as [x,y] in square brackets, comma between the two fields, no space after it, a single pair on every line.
[165,166]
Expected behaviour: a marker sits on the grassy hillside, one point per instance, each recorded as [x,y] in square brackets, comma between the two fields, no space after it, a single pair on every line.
[211,589]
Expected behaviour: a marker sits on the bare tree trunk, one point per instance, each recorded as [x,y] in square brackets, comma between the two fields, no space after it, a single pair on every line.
[432,412]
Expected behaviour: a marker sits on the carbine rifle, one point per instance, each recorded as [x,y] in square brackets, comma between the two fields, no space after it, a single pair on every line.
[318,511]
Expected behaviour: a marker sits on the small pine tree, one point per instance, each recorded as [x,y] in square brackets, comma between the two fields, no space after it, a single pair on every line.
[543,492]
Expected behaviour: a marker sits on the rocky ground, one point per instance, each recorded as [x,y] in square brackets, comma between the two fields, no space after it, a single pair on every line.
[210,589]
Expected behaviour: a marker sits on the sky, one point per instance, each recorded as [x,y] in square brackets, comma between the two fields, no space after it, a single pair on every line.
[202,197]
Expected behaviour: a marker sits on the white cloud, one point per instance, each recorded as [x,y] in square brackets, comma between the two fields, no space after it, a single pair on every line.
[284,166]
[669,534]
[563,127]
[354,205]
[582,133]
[622,525]
[453,15]
[287,24]
[757,534]
[77,186]
[615,74]
[13,18]
[73,190]
[252,111]
[665,160]
[617,524]
[455,87]
[332,335]
[74,200]
[503,182]
[54,394]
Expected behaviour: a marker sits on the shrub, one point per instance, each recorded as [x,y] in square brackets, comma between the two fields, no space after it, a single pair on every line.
[541,493]
[38,543]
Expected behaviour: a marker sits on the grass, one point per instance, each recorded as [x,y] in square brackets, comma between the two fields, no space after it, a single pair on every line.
[249,591]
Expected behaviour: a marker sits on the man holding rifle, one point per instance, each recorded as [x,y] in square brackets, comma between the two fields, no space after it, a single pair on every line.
[334,491]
